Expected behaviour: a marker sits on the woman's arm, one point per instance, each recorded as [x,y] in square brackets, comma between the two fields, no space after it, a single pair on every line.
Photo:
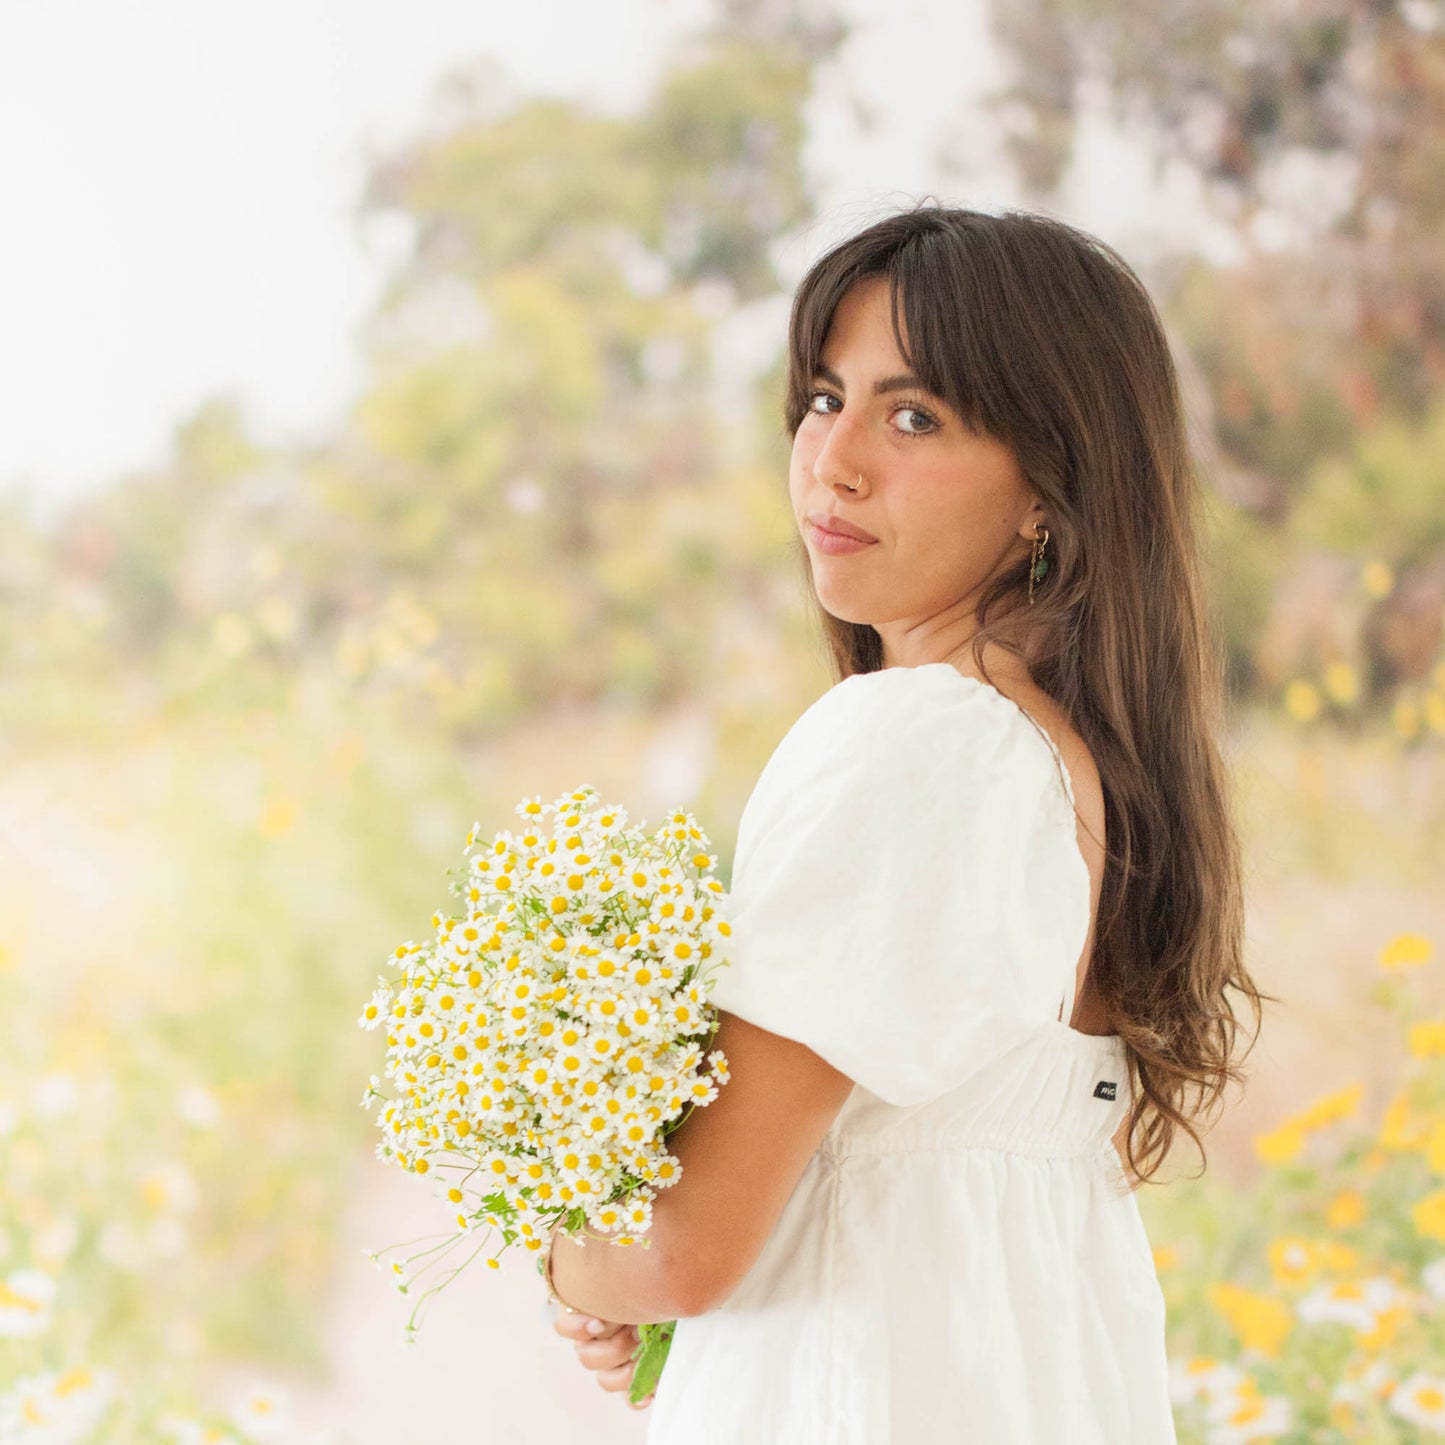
[742,1156]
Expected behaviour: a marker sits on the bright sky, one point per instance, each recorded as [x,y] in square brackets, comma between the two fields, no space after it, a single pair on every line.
[177,181]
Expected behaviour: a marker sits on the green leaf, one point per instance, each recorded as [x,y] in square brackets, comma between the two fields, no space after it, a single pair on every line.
[653,1343]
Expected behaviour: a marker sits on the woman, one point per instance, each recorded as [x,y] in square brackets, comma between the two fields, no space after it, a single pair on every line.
[986,892]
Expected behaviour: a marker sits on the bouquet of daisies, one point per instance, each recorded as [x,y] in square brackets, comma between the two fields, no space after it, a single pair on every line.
[547,1039]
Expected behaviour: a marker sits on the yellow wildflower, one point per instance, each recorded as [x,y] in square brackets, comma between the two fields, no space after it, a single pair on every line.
[1398,1130]
[1346,1210]
[1377,577]
[1342,683]
[278,817]
[1405,716]
[1435,711]
[1261,1322]
[1338,1259]
[1302,700]
[1429,1215]
[1387,1326]
[1427,1039]
[1280,1146]
[1294,1260]
[1406,950]
[1333,1108]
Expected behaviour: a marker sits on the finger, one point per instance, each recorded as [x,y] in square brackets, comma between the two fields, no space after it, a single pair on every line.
[604,1354]
[618,1379]
[579,1326]
[641,1404]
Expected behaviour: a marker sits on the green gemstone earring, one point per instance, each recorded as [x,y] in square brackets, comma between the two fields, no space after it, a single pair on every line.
[1038,563]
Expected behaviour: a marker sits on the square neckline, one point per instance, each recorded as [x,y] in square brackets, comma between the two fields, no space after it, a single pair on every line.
[1112,1043]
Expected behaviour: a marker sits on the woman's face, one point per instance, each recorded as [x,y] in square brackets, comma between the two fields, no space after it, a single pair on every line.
[949,508]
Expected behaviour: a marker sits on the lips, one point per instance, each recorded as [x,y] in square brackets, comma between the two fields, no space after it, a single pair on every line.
[829,522]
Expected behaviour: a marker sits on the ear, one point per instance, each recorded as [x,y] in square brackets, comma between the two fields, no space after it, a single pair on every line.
[1035,514]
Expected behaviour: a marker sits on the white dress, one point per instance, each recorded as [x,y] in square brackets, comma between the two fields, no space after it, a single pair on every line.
[962,1260]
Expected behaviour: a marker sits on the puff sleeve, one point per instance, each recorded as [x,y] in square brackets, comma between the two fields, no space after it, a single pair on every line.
[908,898]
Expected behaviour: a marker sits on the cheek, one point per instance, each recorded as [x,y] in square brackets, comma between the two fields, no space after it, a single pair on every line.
[941,515]
[800,464]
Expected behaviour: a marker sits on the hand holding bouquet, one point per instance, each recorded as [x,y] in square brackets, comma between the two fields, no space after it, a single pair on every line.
[549,1037]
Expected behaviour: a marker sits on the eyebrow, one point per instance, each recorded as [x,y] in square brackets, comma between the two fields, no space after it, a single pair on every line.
[904,381]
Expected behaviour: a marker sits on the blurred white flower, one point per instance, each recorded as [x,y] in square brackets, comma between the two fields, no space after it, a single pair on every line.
[1433,1277]
[524,496]
[170,1188]
[198,1105]
[55,1408]
[26,1298]
[264,1414]
[57,1240]
[1248,1417]
[53,1095]
[1357,1303]
[1202,1378]
[1420,1399]
[182,1430]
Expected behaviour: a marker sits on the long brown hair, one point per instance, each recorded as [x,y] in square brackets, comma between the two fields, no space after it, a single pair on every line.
[1041,336]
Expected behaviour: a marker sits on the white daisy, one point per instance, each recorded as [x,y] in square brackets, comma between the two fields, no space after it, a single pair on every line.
[263,1413]
[26,1298]
[1433,1277]
[198,1106]
[55,1408]
[53,1095]
[1248,1417]
[1202,1378]
[1420,1399]
[1357,1303]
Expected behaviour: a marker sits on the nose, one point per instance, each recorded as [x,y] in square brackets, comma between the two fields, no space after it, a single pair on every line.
[836,464]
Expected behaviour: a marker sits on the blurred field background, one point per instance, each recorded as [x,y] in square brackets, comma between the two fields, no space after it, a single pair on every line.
[254,693]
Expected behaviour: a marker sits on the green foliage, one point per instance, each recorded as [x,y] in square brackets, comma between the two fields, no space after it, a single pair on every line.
[1385,496]
[725,136]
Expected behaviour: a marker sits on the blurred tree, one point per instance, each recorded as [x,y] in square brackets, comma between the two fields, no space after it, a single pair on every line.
[540,452]
[1318,130]
[541,492]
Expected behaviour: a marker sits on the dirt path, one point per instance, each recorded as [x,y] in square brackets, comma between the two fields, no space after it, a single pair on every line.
[486,1366]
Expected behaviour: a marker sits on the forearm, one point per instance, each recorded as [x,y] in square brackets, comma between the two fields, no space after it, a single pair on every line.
[629,1284]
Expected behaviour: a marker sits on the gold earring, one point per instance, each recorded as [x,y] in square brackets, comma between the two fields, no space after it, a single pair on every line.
[1038,563]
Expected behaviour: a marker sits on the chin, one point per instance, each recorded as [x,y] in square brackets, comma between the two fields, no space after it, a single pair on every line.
[845,612]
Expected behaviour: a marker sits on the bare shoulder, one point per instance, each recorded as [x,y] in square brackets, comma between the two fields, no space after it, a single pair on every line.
[1078,758]
[1077,754]
[1090,818]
